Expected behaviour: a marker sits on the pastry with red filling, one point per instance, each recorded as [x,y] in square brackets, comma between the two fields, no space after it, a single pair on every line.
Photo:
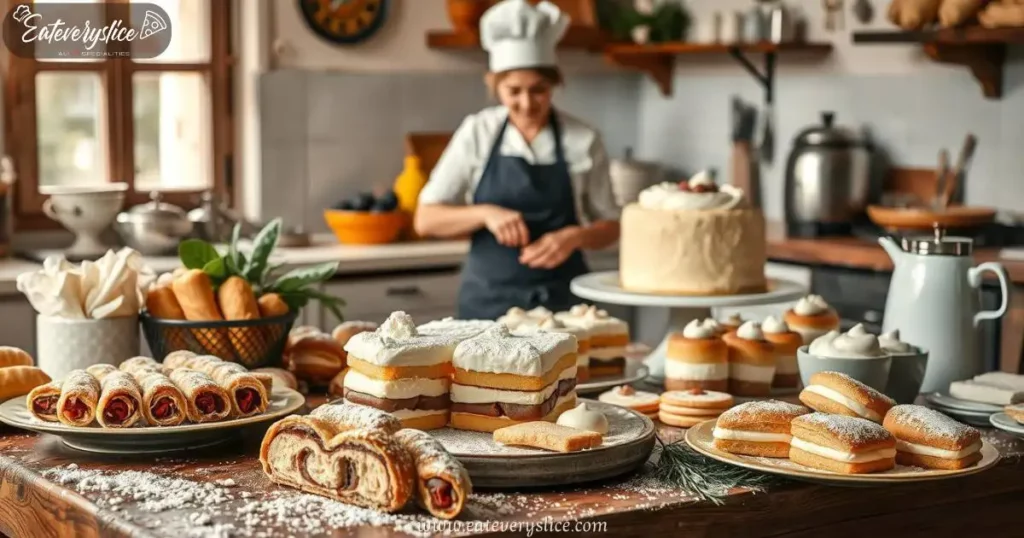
[247,393]
[163,403]
[79,395]
[205,400]
[42,401]
[120,400]
[442,483]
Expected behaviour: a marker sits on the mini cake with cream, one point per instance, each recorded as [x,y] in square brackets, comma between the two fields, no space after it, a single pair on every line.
[842,444]
[609,337]
[398,370]
[812,317]
[503,379]
[693,238]
[786,342]
[757,428]
[839,394]
[697,358]
[929,439]
[550,324]
[730,323]
[751,361]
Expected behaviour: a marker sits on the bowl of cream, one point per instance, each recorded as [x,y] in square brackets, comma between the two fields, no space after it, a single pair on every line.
[855,353]
[908,366]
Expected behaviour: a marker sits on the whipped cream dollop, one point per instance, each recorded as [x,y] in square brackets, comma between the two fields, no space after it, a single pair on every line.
[593,319]
[750,330]
[699,193]
[856,343]
[774,325]
[891,342]
[811,305]
[734,320]
[700,330]
[398,326]
[582,417]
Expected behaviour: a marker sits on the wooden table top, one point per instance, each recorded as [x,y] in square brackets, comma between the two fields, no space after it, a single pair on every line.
[858,253]
[40,495]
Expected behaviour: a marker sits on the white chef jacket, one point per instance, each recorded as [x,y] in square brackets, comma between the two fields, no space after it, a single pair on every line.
[456,175]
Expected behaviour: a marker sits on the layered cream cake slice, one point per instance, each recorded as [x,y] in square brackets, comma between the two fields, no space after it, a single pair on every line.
[503,379]
[460,329]
[398,370]
[550,324]
[609,337]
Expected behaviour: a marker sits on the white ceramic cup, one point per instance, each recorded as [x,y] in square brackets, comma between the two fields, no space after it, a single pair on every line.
[63,345]
[873,371]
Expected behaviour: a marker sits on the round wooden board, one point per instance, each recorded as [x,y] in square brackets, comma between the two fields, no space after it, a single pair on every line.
[911,218]
[626,448]
[700,439]
[149,439]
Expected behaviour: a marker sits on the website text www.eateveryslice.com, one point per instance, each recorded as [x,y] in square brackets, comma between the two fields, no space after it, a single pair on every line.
[525,528]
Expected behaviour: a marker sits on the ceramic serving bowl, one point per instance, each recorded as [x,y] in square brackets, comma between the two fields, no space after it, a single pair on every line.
[873,372]
[364,227]
[906,376]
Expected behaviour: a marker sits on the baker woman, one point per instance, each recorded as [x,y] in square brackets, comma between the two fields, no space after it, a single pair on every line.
[529,184]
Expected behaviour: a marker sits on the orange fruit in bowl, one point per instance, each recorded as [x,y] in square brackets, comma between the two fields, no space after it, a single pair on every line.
[365,227]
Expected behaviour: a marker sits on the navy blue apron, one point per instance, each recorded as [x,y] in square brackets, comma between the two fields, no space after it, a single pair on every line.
[493,280]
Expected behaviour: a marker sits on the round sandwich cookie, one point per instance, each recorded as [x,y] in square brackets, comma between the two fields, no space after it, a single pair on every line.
[686,408]
[1016,412]
[839,394]
[927,438]
[637,400]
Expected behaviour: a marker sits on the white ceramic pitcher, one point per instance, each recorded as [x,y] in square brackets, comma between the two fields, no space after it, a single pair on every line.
[934,301]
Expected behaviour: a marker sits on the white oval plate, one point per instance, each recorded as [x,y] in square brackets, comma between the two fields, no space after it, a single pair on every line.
[946,401]
[148,439]
[700,439]
[1007,424]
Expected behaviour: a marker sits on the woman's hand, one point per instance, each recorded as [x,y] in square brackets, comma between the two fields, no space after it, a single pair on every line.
[552,249]
[507,225]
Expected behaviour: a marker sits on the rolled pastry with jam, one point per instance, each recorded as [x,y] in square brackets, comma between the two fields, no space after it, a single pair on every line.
[178,359]
[42,401]
[79,396]
[248,395]
[163,403]
[138,365]
[442,483]
[120,400]
[99,371]
[205,400]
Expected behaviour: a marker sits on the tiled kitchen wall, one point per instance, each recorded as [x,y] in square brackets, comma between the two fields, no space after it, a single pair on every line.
[328,135]
[911,116]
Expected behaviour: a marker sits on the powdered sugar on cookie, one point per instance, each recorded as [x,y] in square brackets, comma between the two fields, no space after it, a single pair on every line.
[854,430]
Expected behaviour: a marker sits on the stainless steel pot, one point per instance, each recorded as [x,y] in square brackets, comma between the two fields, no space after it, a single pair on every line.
[828,180]
[154,228]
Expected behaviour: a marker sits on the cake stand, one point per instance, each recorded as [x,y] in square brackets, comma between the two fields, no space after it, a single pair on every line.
[604,287]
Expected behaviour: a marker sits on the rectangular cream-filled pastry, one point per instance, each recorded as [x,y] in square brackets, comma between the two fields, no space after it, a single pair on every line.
[842,444]
[757,428]
[929,439]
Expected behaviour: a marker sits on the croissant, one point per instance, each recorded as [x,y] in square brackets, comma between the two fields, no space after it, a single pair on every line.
[20,380]
[12,356]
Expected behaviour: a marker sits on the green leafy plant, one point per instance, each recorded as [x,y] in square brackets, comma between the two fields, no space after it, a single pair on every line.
[296,287]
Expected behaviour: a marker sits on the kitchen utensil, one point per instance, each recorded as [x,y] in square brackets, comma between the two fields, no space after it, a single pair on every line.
[154,228]
[934,301]
[63,345]
[833,14]
[766,147]
[828,180]
[630,176]
[366,228]
[919,218]
[781,24]
[962,163]
[864,11]
[942,176]
[255,342]
[86,211]
[214,221]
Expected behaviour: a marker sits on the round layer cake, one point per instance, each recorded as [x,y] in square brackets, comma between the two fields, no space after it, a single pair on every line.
[693,238]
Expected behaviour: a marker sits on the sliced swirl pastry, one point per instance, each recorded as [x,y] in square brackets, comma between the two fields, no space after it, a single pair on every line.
[346,452]
[442,483]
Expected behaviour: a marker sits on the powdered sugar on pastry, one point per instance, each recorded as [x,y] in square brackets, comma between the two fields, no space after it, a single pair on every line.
[496,350]
[757,410]
[397,342]
[353,416]
[456,328]
[854,430]
[931,422]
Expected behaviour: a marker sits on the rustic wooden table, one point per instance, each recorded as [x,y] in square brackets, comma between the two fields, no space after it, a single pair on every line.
[47,489]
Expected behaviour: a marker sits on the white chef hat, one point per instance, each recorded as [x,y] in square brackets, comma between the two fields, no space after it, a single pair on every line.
[520,35]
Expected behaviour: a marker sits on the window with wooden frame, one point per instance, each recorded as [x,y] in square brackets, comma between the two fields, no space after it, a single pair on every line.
[163,124]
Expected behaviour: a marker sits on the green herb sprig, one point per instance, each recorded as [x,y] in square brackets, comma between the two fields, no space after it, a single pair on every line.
[709,480]
[296,287]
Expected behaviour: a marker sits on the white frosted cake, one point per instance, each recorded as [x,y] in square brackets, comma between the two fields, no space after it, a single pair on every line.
[693,238]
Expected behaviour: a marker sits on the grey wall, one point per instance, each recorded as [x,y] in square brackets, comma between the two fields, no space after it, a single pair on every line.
[911,115]
[327,135]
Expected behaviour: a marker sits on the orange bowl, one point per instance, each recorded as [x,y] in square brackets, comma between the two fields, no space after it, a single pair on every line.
[364,227]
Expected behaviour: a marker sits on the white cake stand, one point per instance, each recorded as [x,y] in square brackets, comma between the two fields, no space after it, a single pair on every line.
[604,287]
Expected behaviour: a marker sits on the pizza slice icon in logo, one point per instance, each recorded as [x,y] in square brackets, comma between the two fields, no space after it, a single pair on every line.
[152,24]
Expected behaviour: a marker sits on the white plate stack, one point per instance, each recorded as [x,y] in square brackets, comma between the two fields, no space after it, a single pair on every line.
[966,411]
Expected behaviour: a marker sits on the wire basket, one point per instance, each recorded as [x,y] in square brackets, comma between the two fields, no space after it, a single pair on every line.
[251,343]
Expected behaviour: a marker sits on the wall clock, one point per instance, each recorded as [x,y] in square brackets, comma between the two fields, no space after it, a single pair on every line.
[344,22]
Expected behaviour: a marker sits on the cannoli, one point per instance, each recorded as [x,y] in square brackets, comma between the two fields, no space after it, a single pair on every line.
[42,401]
[19,380]
[929,439]
[205,400]
[442,483]
[237,302]
[840,394]
[547,436]
[757,428]
[79,395]
[841,444]
[163,403]
[194,292]
[339,452]
[12,356]
[120,400]
[99,371]
[248,395]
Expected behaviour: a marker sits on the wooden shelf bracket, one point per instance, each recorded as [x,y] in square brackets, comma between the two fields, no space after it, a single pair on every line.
[658,66]
[984,60]
[765,78]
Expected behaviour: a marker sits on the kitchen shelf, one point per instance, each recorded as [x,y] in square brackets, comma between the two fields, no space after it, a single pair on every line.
[576,37]
[982,50]
[658,59]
